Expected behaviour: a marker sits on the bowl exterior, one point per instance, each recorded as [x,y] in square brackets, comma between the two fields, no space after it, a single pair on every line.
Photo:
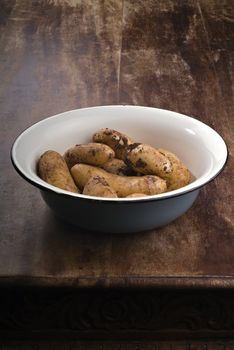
[118,217]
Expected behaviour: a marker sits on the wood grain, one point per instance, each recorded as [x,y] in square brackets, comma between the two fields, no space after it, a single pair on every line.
[58,55]
[176,61]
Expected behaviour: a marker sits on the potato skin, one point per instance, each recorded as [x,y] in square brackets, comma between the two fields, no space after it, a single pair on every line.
[114,139]
[97,186]
[118,167]
[123,185]
[134,195]
[180,175]
[53,169]
[147,160]
[91,153]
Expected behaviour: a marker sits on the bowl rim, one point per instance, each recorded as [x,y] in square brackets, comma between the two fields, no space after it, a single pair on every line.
[42,185]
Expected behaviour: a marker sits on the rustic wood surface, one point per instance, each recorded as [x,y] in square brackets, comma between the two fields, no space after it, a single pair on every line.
[57,55]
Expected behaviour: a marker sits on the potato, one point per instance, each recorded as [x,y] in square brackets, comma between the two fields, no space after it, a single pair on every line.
[123,185]
[116,140]
[91,153]
[180,175]
[118,167]
[53,169]
[147,160]
[134,195]
[97,186]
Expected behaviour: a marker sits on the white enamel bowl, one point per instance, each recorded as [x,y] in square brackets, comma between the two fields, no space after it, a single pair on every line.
[196,144]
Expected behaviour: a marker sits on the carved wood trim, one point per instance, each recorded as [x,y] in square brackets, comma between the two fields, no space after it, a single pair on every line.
[117,314]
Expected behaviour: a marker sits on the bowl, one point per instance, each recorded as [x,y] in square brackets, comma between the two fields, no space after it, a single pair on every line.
[200,147]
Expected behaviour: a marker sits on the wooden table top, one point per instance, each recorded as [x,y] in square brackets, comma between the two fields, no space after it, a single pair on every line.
[58,55]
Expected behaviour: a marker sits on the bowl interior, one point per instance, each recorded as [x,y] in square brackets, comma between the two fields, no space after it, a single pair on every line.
[197,145]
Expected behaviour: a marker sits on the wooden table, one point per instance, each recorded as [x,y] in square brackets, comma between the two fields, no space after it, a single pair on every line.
[59,55]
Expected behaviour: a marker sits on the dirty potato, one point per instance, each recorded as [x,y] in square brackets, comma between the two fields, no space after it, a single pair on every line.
[115,139]
[98,186]
[53,169]
[91,153]
[180,175]
[145,159]
[149,160]
[123,185]
[118,167]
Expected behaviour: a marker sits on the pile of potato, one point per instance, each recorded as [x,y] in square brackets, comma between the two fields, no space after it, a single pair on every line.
[113,165]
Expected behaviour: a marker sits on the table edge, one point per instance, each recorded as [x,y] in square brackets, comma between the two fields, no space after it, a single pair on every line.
[168,282]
